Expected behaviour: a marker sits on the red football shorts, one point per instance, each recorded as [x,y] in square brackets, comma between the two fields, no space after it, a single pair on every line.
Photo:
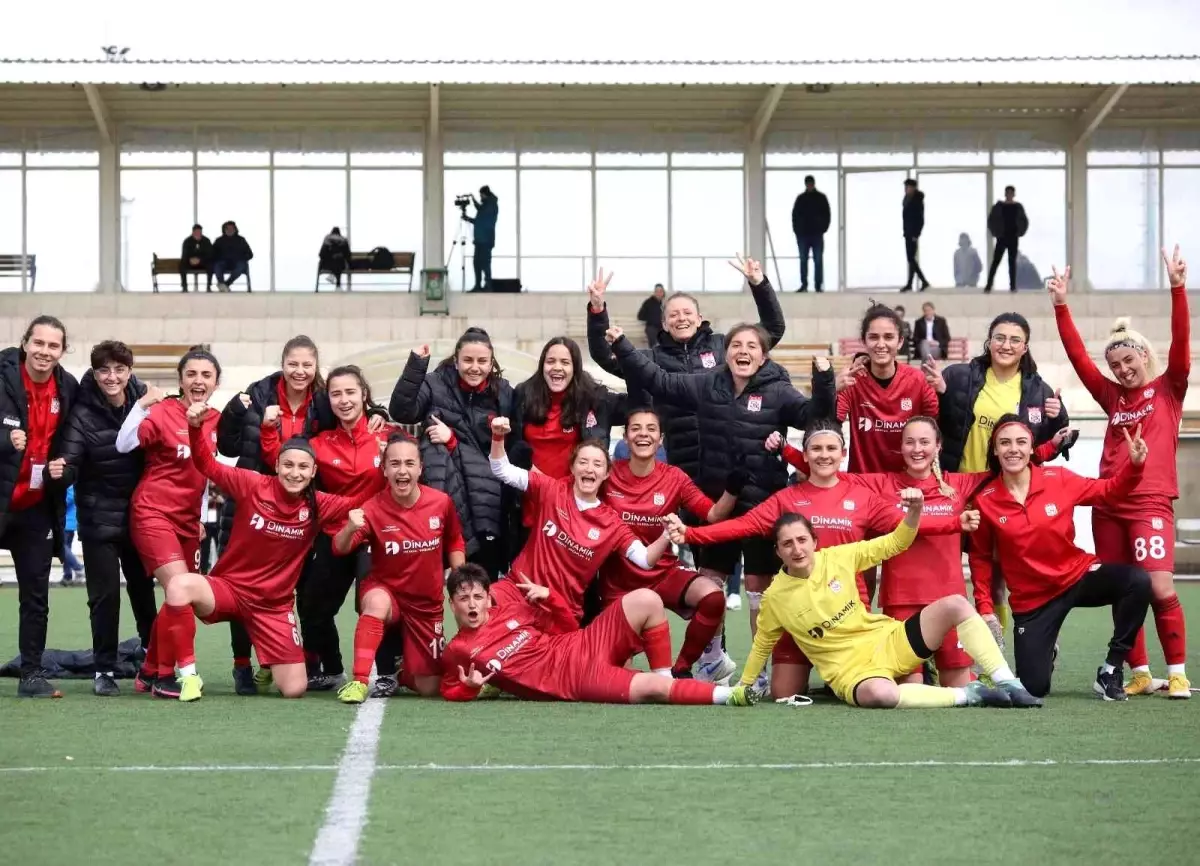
[787,653]
[950,654]
[672,588]
[591,661]
[423,634]
[1144,537]
[159,542]
[273,631]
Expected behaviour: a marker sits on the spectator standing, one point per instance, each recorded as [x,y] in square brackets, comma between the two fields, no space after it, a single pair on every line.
[1007,223]
[231,257]
[810,221]
[929,333]
[967,264]
[196,255]
[334,257]
[487,211]
[913,219]
[72,567]
[906,333]
[213,503]
[651,313]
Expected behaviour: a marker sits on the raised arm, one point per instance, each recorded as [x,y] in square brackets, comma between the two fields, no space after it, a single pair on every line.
[233,421]
[238,483]
[757,521]
[870,553]
[799,411]
[1114,490]
[770,314]
[513,476]
[1098,386]
[133,434]
[597,325]
[642,555]
[682,389]
[412,396]
[1179,356]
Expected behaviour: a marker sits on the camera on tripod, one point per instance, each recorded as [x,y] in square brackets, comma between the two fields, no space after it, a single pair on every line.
[461,201]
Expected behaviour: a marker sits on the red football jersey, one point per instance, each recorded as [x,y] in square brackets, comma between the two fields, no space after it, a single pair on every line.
[409,546]
[877,416]
[1035,541]
[1157,407]
[272,532]
[567,546]
[171,486]
[642,503]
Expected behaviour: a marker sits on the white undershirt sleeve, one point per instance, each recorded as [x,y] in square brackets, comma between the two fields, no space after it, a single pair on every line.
[637,554]
[127,436]
[513,476]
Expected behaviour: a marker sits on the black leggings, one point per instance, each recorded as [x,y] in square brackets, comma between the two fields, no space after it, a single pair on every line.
[105,560]
[1125,587]
[324,584]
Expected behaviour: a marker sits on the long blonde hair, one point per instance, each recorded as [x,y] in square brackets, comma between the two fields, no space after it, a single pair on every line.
[935,465]
[1122,334]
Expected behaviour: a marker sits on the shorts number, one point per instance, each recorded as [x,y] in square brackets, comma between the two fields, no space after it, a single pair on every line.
[436,646]
[196,559]
[296,636]
[1156,549]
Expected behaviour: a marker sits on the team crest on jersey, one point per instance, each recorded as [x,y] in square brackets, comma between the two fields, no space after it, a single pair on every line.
[1051,510]
[377,460]
[906,404]
[337,461]
[660,499]
[708,360]
[1148,393]
[754,404]
[512,623]
[435,523]
[303,514]
[848,504]
[594,534]
[1003,519]
[590,421]
[1035,415]
[53,405]
[835,585]
[1156,522]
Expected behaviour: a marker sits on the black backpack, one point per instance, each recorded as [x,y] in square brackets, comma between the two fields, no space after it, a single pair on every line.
[381,259]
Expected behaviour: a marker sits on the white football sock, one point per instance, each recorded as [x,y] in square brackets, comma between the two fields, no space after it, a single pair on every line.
[721,694]
[187,670]
[1173,669]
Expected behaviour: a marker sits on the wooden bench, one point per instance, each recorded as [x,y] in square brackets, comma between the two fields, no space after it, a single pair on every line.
[957,350]
[797,359]
[19,266]
[360,263]
[158,363]
[170,267]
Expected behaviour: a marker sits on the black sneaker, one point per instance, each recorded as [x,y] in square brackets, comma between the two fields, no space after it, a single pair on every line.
[105,686]
[385,687]
[1109,687]
[682,674]
[1018,694]
[36,685]
[979,694]
[325,682]
[143,683]
[166,687]
[243,681]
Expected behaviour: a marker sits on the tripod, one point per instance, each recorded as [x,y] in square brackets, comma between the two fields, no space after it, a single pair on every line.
[460,243]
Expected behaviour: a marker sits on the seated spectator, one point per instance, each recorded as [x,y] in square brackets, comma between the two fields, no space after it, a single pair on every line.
[1027,274]
[930,333]
[231,257]
[196,255]
[906,346]
[967,264]
[334,256]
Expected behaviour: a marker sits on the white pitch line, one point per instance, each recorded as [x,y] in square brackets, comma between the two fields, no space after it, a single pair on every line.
[346,813]
[364,773]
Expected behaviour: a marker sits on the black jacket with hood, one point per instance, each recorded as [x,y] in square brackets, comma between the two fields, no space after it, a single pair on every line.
[231,248]
[104,478]
[703,353]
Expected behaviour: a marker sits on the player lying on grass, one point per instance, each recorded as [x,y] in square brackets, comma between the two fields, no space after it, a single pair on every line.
[526,643]
[860,655]
[409,527]
[254,581]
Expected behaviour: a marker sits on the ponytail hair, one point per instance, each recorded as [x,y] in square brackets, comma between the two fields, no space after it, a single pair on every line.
[1121,334]
[935,465]
[199,352]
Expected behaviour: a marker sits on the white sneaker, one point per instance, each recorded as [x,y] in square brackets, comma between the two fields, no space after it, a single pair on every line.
[762,685]
[717,672]
[733,602]
[221,287]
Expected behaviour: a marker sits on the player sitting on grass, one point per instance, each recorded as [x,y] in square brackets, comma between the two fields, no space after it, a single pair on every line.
[814,599]
[530,647]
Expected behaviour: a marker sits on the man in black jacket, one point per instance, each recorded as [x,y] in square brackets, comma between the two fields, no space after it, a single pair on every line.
[231,257]
[196,256]
[104,482]
[36,395]
[1007,223]
[913,218]
[651,313]
[810,221]
[930,330]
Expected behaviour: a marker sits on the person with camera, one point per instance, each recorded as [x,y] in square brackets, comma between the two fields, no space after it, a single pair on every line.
[487,211]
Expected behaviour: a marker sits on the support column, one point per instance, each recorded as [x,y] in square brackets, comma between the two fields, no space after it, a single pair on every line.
[110,218]
[1077,243]
[755,197]
[434,247]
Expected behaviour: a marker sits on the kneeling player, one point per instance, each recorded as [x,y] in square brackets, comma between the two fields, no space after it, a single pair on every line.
[527,647]
[860,654]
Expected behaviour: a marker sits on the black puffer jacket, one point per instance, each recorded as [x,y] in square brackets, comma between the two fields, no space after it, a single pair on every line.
[704,352]
[733,427]
[104,478]
[956,412]
[463,473]
[14,415]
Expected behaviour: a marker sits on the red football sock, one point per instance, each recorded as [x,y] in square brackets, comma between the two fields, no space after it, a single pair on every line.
[179,629]
[367,635]
[1172,631]
[656,640]
[241,661]
[710,611]
[691,692]
[1138,657]
[152,665]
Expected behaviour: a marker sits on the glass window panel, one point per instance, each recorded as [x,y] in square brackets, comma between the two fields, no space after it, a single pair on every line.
[1044,194]
[556,213]
[156,216]
[74,267]
[719,277]
[955,203]
[635,274]
[1122,157]
[707,213]
[782,189]
[465,158]
[157,159]
[687,274]
[54,159]
[1029,157]
[10,225]
[386,159]
[385,211]
[503,183]
[307,205]
[902,158]
[10,158]
[952,158]
[1181,210]
[1181,157]
[800,160]
[631,214]
[631,160]
[234,157]
[288,157]
[245,198]
[1123,252]
[874,238]
[556,159]
[554,274]
[707,160]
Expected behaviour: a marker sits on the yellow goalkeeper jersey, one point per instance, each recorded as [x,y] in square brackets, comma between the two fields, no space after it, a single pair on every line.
[823,614]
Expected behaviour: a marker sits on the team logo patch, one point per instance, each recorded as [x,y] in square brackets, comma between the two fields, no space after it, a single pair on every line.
[1035,415]
[660,499]
[590,421]
[1148,393]
[512,623]
[435,523]
[257,521]
[1051,510]
[53,405]
[848,504]
[1004,520]
[303,514]
[708,360]
[9,421]
[906,404]
[391,548]
[337,461]
[835,585]
[1156,522]
[594,534]
[377,460]
[754,404]
[864,424]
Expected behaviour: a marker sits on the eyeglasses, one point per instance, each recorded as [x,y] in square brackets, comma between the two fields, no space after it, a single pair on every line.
[1001,339]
